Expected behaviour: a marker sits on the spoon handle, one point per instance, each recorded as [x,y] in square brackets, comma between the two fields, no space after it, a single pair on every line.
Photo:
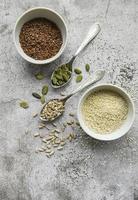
[99,74]
[92,33]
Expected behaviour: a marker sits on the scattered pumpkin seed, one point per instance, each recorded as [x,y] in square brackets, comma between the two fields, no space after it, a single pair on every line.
[77,71]
[42,99]
[24,104]
[79,78]
[45,89]
[87,67]
[36,95]
[39,76]
[77,123]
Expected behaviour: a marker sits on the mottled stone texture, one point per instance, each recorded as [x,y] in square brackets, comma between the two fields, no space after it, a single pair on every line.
[86,169]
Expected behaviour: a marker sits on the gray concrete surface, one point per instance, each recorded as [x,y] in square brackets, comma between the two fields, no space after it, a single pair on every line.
[86,169]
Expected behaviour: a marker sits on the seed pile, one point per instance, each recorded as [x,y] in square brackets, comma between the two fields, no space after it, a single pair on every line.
[61,75]
[52,109]
[40,38]
[104,111]
[53,142]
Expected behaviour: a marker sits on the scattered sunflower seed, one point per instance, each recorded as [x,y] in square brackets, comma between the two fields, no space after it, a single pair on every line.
[49,138]
[79,78]
[48,150]
[41,126]
[39,76]
[62,94]
[42,99]
[55,145]
[35,115]
[59,148]
[36,134]
[49,146]
[36,95]
[77,71]
[45,89]
[87,67]
[51,153]
[54,124]
[24,104]
[62,143]
[71,114]
[44,140]
[41,150]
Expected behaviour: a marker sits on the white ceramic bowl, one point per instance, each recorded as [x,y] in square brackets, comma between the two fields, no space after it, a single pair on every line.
[123,129]
[36,13]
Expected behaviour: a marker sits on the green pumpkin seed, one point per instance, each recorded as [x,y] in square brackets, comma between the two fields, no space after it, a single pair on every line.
[77,71]
[36,95]
[42,99]
[24,104]
[87,67]
[45,89]
[39,76]
[79,78]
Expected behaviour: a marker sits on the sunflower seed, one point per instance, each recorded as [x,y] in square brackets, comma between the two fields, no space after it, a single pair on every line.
[51,153]
[57,141]
[49,138]
[49,146]
[35,115]
[59,148]
[55,145]
[41,150]
[54,124]
[36,134]
[44,140]
[62,94]
[48,150]
[71,114]
[62,143]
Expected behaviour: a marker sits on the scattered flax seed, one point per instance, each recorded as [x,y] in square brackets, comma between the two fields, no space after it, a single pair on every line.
[36,134]
[35,115]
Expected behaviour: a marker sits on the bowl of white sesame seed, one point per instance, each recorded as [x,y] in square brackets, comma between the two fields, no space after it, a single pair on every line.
[106,112]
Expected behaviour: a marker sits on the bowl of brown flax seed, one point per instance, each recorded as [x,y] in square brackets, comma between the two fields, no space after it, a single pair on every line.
[40,35]
[106,112]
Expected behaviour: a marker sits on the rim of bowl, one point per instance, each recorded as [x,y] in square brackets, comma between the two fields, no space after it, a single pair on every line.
[28,58]
[93,134]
